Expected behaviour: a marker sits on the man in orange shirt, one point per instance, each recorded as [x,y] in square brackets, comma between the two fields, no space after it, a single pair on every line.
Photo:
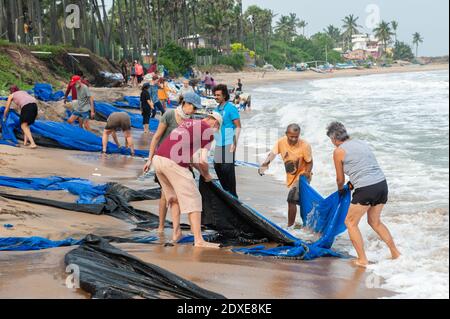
[297,156]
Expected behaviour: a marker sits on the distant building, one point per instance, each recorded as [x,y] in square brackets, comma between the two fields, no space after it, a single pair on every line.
[193,41]
[363,47]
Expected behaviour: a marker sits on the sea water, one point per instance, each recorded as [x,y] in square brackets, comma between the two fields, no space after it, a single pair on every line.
[405,119]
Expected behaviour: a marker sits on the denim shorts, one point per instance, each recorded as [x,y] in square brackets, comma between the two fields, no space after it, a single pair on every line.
[83,115]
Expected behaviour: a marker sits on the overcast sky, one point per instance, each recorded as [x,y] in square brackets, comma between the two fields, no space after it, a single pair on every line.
[428,17]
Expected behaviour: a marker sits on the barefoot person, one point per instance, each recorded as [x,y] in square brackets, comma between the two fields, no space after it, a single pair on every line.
[355,159]
[188,145]
[118,121]
[27,106]
[169,122]
[298,161]
[146,107]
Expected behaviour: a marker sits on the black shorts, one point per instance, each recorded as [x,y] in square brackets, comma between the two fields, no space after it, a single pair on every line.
[372,195]
[28,114]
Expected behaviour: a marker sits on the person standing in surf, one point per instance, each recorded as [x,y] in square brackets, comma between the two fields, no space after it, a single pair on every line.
[355,159]
[298,161]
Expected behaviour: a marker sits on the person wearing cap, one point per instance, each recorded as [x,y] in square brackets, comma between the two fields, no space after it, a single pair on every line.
[169,122]
[118,121]
[27,106]
[71,86]
[154,98]
[146,106]
[83,110]
[187,146]
[226,140]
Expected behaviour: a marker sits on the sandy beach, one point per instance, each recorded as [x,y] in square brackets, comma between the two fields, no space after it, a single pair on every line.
[42,274]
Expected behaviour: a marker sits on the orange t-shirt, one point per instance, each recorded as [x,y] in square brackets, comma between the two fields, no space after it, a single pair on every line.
[294,157]
[163,94]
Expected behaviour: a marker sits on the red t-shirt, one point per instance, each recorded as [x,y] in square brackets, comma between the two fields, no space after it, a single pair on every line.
[185,141]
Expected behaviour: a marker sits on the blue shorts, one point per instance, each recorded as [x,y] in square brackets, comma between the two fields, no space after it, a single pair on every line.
[82,115]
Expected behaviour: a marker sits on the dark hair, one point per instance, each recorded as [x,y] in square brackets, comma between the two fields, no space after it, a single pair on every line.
[80,73]
[295,128]
[224,89]
[337,131]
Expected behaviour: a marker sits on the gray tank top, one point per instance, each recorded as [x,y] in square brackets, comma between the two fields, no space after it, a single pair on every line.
[361,165]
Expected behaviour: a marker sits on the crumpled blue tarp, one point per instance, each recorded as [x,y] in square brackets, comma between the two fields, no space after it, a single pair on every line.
[44,92]
[88,192]
[321,215]
[3,98]
[106,109]
[40,243]
[66,135]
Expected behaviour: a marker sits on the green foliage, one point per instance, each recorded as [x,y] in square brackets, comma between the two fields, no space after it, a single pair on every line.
[10,74]
[206,52]
[402,51]
[175,58]
[237,61]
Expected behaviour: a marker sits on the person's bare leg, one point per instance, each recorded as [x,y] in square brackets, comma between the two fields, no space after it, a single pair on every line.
[129,141]
[162,212]
[27,132]
[105,139]
[146,130]
[195,220]
[374,219]
[176,216]
[72,119]
[292,214]
[355,213]
[86,125]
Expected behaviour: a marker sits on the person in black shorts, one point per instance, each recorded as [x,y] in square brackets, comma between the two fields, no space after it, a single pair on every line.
[355,159]
[118,121]
[146,107]
[27,105]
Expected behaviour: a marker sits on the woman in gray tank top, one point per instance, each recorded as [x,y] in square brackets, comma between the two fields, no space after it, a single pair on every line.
[355,159]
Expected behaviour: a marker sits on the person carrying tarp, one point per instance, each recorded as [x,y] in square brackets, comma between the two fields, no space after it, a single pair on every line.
[298,161]
[187,146]
[83,108]
[355,159]
[27,107]
[168,123]
[118,121]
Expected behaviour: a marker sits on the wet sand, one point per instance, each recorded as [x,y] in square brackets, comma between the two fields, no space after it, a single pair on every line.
[42,274]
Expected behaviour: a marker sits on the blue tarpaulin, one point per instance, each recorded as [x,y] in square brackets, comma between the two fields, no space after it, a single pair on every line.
[44,92]
[40,243]
[325,216]
[62,134]
[88,192]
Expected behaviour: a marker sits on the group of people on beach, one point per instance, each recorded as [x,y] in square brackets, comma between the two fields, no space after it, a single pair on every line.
[182,144]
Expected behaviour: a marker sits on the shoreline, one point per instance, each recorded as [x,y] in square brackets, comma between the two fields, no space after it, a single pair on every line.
[260,77]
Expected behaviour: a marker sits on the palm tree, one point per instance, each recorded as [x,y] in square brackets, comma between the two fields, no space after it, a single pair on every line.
[293,23]
[282,28]
[417,39]
[394,25]
[384,34]
[334,33]
[350,28]
[302,25]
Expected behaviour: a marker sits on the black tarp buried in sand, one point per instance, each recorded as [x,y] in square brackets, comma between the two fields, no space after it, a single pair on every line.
[110,273]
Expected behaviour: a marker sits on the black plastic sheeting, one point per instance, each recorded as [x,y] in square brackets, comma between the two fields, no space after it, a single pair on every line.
[107,272]
[117,198]
[235,222]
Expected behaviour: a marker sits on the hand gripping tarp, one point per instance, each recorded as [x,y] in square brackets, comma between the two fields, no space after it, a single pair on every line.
[237,222]
[107,272]
[44,92]
[58,135]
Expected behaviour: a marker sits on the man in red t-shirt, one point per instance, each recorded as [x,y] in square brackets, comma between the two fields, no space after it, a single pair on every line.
[71,86]
[187,146]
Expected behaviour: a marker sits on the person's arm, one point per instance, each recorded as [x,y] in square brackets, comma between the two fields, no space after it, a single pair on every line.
[237,134]
[91,99]
[155,140]
[338,157]
[265,166]
[69,88]
[203,165]
[8,106]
